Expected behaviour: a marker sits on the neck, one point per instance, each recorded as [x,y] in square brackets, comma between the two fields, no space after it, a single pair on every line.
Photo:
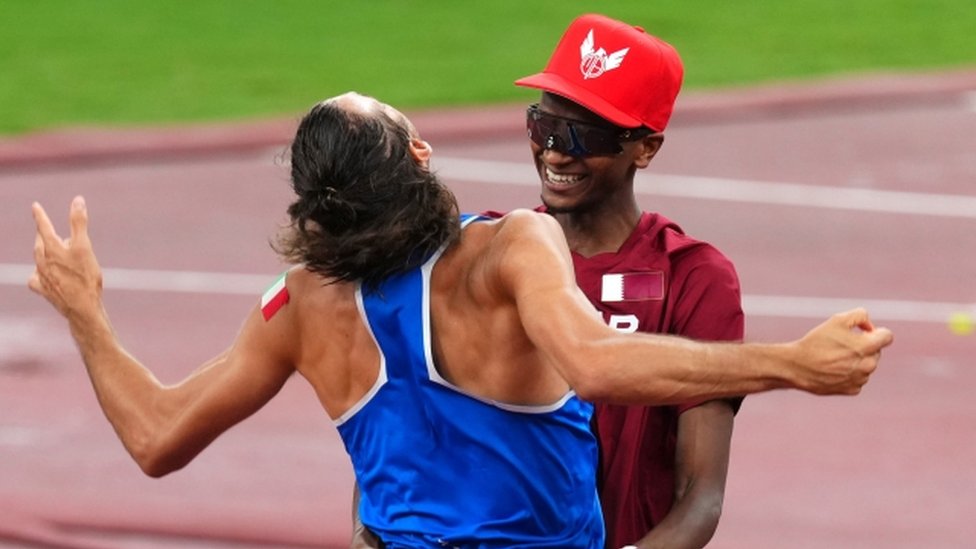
[599,230]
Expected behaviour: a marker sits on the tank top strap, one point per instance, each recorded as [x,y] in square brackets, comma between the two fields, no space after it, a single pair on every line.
[468,218]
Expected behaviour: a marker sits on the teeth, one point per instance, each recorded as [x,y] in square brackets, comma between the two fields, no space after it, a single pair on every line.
[562,179]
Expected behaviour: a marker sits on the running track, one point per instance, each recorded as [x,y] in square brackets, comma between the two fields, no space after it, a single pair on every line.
[845,193]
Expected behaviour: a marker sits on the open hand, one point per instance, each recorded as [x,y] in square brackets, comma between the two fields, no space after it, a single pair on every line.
[66,271]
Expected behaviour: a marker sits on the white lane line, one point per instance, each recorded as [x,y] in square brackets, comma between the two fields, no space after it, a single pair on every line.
[734,190]
[969,98]
[784,306]
[777,306]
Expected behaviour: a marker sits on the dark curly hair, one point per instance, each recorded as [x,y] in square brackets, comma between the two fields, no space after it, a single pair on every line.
[365,209]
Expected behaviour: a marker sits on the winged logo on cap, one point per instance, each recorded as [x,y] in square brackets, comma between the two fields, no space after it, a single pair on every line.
[595,63]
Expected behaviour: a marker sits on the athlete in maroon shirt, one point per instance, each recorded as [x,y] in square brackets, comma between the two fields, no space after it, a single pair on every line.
[661,280]
[608,93]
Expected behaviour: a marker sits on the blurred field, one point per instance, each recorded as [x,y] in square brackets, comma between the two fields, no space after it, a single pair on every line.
[134,63]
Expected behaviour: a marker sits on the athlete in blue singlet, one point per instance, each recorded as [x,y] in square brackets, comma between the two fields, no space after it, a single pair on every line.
[414,418]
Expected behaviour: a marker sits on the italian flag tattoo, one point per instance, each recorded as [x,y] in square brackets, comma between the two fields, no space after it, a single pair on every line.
[274,298]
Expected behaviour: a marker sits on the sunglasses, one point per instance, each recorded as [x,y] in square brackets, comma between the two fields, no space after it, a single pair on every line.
[577,138]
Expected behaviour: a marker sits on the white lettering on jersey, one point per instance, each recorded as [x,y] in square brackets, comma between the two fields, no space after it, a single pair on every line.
[627,324]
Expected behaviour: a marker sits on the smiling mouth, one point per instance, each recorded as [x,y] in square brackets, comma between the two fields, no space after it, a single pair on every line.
[562,180]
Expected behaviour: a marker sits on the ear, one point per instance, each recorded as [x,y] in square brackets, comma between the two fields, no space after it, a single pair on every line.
[649,145]
[421,150]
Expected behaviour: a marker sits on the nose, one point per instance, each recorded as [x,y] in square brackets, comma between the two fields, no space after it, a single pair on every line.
[555,157]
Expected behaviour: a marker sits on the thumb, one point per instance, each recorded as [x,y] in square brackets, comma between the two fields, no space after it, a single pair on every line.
[877,339]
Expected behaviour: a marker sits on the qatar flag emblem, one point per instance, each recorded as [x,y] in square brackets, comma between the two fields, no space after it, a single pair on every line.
[642,286]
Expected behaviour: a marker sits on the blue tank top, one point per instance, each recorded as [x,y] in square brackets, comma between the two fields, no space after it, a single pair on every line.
[441,468]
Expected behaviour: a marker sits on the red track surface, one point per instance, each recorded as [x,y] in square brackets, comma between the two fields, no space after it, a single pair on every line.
[891,468]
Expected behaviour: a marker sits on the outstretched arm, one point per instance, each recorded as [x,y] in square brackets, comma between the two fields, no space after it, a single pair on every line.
[836,357]
[162,427]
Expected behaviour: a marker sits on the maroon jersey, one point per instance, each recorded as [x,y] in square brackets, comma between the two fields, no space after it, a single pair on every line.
[660,280]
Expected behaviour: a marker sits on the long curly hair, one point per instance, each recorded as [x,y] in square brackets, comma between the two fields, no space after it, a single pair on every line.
[365,209]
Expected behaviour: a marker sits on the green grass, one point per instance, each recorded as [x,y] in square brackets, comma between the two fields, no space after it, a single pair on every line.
[126,62]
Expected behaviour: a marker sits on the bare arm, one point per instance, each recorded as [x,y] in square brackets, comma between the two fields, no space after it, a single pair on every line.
[704,440]
[162,427]
[707,307]
[837,357]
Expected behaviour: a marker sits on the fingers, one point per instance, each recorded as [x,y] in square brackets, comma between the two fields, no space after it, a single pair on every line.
[78,217]
[856,345]
[48,236]
[39,248]
[45,229]
[47,241]
[877,340]
[873,338]
[856,318]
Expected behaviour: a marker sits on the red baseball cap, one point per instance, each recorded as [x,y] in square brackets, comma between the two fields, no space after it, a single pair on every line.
[616,70]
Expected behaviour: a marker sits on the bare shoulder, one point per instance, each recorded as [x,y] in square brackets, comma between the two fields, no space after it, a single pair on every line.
[527,243]
[527,224]
[300,280]
[300,298]
[527,237]
[310,290]
[313,306]
[517,232]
